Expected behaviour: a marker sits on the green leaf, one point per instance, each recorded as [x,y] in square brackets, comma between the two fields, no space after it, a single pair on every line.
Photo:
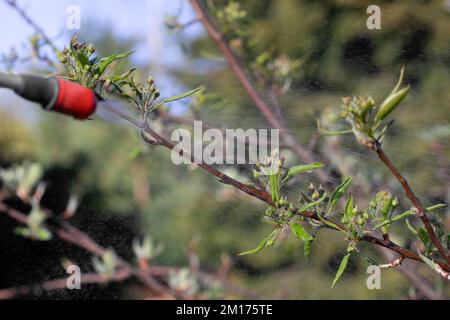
[348,213]
[391,103]
[123,76]
[339,192]
[325,132]
[341,269]
[267,242]
[274,185]
[295,171]
[328,223]
[425,238]
[410,227]
[436,207]
[42,234]
[399,82]
[402,216]
[135,153]
[83,59]
[179,97]
[104,63]
[433,265]
[300,232]
[307,248]
[23,232]
[312,204]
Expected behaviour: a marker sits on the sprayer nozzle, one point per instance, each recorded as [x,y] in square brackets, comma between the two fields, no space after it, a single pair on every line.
[54,94]
[75,100]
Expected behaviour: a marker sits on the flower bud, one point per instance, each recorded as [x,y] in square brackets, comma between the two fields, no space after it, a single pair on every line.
[90,48]
[62,58]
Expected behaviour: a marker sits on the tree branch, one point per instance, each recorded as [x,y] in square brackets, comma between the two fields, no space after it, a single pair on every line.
[414,200]
[151,137]
[61,284]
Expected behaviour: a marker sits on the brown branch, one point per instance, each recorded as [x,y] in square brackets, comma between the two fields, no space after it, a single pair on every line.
[414,200]
[420,283]
[223,178]
[240,73]
[151,137]
[61,284]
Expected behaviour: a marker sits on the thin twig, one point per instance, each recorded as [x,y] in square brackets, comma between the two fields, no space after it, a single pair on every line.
[414,200]
[420,283]
[61,284]
[393,264]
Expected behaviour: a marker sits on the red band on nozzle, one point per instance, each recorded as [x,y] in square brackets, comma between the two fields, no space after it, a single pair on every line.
[75,100]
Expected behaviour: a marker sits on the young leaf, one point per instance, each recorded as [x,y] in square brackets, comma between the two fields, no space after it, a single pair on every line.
[325,132]
[274,186]
[267,242]
[123,76]
[433,265]
[307,248]
[295,171]
[328,223]
[341,269]
[23,232]
[399,82]
[42,234]
[339,192]
[260,246]
[410,227]
[300,232]
[106,61]
[179,97]
[436,207]
[391,103]
[425,238]
[403,215]
[312,204]
[399,217]
[348,213]
[84,60]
